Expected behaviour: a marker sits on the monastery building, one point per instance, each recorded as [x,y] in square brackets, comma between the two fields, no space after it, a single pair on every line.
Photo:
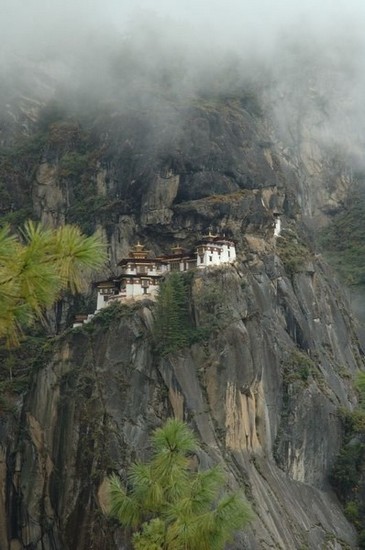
[141,275]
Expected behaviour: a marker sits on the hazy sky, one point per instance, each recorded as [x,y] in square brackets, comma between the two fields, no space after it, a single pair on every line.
[41,23]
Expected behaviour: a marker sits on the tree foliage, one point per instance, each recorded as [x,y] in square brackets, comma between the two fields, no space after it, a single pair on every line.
[171,507]
[343,239]
[348,474]
[360,386]
[36,266]
[172,328]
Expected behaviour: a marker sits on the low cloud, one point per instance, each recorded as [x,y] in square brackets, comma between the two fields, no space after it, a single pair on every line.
[306,59]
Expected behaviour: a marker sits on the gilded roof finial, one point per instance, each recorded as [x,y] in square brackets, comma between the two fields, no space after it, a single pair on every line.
[139,251]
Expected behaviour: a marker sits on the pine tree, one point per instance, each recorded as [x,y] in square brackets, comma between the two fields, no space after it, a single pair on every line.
[36,266]
[172,324]
[171,507]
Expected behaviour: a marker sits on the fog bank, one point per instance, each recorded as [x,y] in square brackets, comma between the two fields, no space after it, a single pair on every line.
[305,60]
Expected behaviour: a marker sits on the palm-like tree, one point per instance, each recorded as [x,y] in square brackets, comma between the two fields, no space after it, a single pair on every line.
[36,266]
[171,507]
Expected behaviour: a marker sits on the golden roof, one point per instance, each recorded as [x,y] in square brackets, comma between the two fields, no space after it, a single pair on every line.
[139,252]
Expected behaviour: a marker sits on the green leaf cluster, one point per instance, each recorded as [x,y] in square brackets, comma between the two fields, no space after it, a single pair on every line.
[171,507]
[36,266]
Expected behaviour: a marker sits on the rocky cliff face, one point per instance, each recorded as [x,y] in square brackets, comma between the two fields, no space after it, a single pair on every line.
[264,386]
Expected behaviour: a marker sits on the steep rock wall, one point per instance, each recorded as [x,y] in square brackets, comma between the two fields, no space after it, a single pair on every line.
[262,392]
[275,431]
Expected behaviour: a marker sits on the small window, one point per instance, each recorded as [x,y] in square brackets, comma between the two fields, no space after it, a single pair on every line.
[145,290]
[210,258]
[229,254]
[106,298]
[201,259]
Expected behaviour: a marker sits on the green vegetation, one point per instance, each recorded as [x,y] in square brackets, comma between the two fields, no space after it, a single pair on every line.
[213,311]
[298,367]
[108,315]
[70,151]
[292,251]
[343,241]
[76,172]
[36,266]
[17,167]
[18,364]
[73,164]
[219,98]
[173,327]
[169,506]
[360,386]
[348,475]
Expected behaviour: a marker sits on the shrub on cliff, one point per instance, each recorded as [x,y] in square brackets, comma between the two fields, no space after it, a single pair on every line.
[348,474]
[293,252]
[343,240]
[169,506]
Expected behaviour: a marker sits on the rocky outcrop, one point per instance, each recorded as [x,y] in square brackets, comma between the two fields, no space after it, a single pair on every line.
[261,389]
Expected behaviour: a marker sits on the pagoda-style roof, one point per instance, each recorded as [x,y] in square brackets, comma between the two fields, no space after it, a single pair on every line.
[126,261]
[106,283]
[139,276]
[224,240]
[115,281]
[138,252]
[184,255]
[210,237]
[177,250]
[215,239]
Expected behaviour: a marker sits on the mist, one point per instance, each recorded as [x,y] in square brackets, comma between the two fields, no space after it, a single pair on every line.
[303,60]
